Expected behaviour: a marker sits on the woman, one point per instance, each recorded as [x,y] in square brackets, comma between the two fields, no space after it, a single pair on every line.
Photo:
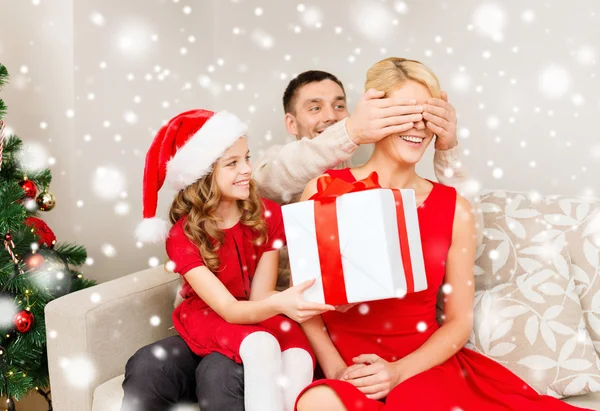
[392,354]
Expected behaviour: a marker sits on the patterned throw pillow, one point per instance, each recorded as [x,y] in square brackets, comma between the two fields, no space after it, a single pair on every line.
[584,248]
[527,312]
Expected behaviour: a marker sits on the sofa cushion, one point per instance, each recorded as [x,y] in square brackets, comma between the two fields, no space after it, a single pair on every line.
[584,249]
[527,313]
[109,395]
[591,401]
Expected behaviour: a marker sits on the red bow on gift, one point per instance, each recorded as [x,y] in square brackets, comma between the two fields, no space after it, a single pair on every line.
[326,226]
[330,187]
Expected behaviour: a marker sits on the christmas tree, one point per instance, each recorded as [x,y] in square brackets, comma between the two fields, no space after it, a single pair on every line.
[34,269]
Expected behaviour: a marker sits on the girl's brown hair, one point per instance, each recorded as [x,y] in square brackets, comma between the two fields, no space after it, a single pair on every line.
[199,202]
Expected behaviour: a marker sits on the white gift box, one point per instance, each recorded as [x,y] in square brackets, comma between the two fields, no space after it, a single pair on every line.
[369,245]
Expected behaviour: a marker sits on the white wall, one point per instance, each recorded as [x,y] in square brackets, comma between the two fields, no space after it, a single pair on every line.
[522,75]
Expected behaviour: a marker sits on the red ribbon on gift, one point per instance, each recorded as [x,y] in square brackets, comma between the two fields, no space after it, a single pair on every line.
[326,227]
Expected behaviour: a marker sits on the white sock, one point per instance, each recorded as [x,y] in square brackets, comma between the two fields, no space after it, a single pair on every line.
[298,373]
[261,356]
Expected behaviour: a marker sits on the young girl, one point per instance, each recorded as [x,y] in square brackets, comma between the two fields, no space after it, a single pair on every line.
[225,242]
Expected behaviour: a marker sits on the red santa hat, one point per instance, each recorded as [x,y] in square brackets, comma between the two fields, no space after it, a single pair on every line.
[183,152]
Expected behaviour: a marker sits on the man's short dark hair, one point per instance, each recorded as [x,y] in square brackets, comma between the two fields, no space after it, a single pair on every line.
[307,77]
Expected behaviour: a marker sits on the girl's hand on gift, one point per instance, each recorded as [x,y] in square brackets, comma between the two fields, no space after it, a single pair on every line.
[344,307]
[375,378]
[291,303]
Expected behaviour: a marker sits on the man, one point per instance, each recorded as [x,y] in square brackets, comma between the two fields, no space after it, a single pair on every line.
[326,137]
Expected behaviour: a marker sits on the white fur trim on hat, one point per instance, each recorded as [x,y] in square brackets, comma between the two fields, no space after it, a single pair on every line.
[152,230]
[194,159]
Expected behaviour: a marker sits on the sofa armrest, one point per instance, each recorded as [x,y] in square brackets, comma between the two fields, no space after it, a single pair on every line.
[92,333]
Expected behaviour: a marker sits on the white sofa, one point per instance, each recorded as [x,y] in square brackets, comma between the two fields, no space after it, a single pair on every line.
[106,324]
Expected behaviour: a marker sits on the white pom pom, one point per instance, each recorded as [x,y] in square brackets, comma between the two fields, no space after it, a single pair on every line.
[152,230]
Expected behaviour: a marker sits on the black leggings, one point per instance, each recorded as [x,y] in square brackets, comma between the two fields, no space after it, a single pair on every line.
[167,372]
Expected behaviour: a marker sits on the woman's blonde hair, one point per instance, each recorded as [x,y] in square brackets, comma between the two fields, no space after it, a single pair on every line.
[392,73]
[199,201]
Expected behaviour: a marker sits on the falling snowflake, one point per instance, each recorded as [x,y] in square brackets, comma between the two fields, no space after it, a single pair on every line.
[133,40]
[8,310]
[282,381]
[130,117]
[461,82]
[170,266]
[400,292]
[554,81]
[108,182]
[159,352]
[493,122]
[372,20]
[401,7]
[109,250]
[490,20]
[578,99]
[79,372]
[586,55]
[204,81]
[33,157]
[98,19]
[286,326]
[528,16]
[363,309]
[312,17]
[262,39]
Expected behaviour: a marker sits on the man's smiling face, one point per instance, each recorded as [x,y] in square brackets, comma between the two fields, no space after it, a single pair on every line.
[317,105]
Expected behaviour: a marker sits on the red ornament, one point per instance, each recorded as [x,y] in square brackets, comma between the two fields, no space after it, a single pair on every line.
[24,321]
[29,188]
[41,229]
